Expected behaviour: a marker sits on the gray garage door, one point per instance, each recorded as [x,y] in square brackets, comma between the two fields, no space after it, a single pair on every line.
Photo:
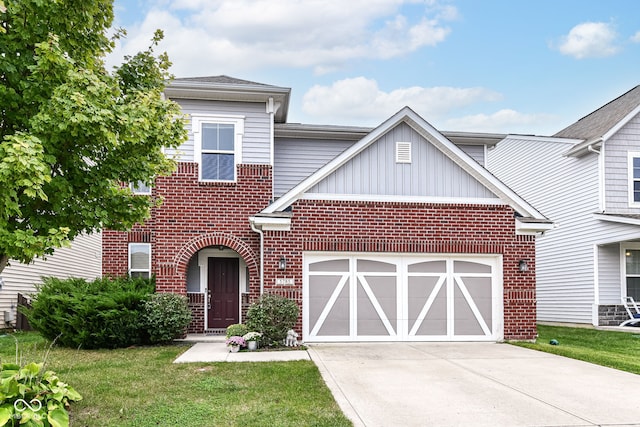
[366,297]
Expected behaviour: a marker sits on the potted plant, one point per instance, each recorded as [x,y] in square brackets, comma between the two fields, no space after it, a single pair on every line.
[235,342]
[251,339]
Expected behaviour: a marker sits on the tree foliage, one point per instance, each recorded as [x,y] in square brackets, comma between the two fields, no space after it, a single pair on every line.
[72,133]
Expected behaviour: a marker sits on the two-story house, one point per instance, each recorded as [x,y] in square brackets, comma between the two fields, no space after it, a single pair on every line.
[385,234]
[586,178]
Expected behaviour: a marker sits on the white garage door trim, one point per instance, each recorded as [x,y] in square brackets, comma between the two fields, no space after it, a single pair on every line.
[392,297]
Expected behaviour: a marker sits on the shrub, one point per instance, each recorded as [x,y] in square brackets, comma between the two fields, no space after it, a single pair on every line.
[165,317]
[236,329]
[104,313]
[272,316]
[32,397]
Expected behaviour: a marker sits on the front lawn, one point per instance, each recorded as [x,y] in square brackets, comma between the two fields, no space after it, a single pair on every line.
[618,350]
[141,387]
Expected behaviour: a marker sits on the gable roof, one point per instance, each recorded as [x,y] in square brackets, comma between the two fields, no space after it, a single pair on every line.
[421,126]
[599,125]
[225,88]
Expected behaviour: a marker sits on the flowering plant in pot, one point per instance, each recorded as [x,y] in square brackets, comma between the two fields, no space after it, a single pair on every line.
[252,339]
[235,342]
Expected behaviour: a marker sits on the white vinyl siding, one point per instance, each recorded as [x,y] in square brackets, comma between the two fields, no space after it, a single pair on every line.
[256,141]
[82,259]
[565,190]
[617,149]
[375,172]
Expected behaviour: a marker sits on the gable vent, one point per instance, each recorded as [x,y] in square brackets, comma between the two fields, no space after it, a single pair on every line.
[403,152]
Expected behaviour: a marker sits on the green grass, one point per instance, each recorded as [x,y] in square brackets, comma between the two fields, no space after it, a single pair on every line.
[617,350]
[142,387]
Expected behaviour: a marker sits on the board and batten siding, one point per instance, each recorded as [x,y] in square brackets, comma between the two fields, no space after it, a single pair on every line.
[82,259]
[296,159]
[257,127]
[565,190]
[374,171]
[616,150]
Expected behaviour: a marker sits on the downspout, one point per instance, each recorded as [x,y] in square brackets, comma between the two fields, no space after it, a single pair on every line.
[259,231]
[271,109]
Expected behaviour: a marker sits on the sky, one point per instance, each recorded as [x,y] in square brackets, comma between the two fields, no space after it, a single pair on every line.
[505,66]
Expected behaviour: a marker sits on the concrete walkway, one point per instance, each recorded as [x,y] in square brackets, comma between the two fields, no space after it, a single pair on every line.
[217,351]
[473,384]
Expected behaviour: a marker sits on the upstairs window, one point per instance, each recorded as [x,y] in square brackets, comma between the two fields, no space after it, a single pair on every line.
[634,179]
[140,260]
[218,146]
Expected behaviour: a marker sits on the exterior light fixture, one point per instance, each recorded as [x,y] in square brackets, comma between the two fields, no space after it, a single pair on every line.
[282,264]
[522,265]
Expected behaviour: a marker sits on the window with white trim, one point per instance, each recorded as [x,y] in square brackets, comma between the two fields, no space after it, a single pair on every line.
[634,178]
[140,260]
[140,188]
[218,141]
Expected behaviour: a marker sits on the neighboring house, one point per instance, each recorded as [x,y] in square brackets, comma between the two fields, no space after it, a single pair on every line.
[586,178]
[81,259]
[396,233]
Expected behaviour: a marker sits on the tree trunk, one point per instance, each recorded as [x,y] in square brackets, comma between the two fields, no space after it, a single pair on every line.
[4,261]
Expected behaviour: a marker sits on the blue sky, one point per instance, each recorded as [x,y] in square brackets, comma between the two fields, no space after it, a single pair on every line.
[526,66]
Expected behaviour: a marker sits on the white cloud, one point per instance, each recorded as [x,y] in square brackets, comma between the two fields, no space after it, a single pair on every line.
[636,37]
[502,121]
[590,40]
[361,100]
[205,37]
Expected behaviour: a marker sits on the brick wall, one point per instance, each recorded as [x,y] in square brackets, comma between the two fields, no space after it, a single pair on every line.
[612,315]
[337,226]
[195,215]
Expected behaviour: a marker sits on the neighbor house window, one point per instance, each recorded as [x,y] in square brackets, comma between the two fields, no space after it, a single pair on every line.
[634,179]
[218,143]
[140,188]
[140,260]
[632,272]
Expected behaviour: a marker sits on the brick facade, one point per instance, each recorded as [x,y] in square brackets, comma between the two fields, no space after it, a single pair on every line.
[196,215]
[336,226]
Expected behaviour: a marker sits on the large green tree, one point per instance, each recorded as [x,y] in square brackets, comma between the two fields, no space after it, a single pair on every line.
[71,133]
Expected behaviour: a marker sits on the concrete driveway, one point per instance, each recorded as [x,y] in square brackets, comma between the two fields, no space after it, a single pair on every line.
[473,384]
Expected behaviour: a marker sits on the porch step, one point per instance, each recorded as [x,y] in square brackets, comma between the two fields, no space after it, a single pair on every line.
[191,338]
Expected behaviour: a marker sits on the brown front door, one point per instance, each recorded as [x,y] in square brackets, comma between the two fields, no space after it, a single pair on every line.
[223,291]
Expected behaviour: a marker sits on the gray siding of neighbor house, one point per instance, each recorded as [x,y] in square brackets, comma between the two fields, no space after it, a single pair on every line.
[476,152]
[374,171]
[256,141]
[626,140]
[83,259]
[565,190]
[296,159]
